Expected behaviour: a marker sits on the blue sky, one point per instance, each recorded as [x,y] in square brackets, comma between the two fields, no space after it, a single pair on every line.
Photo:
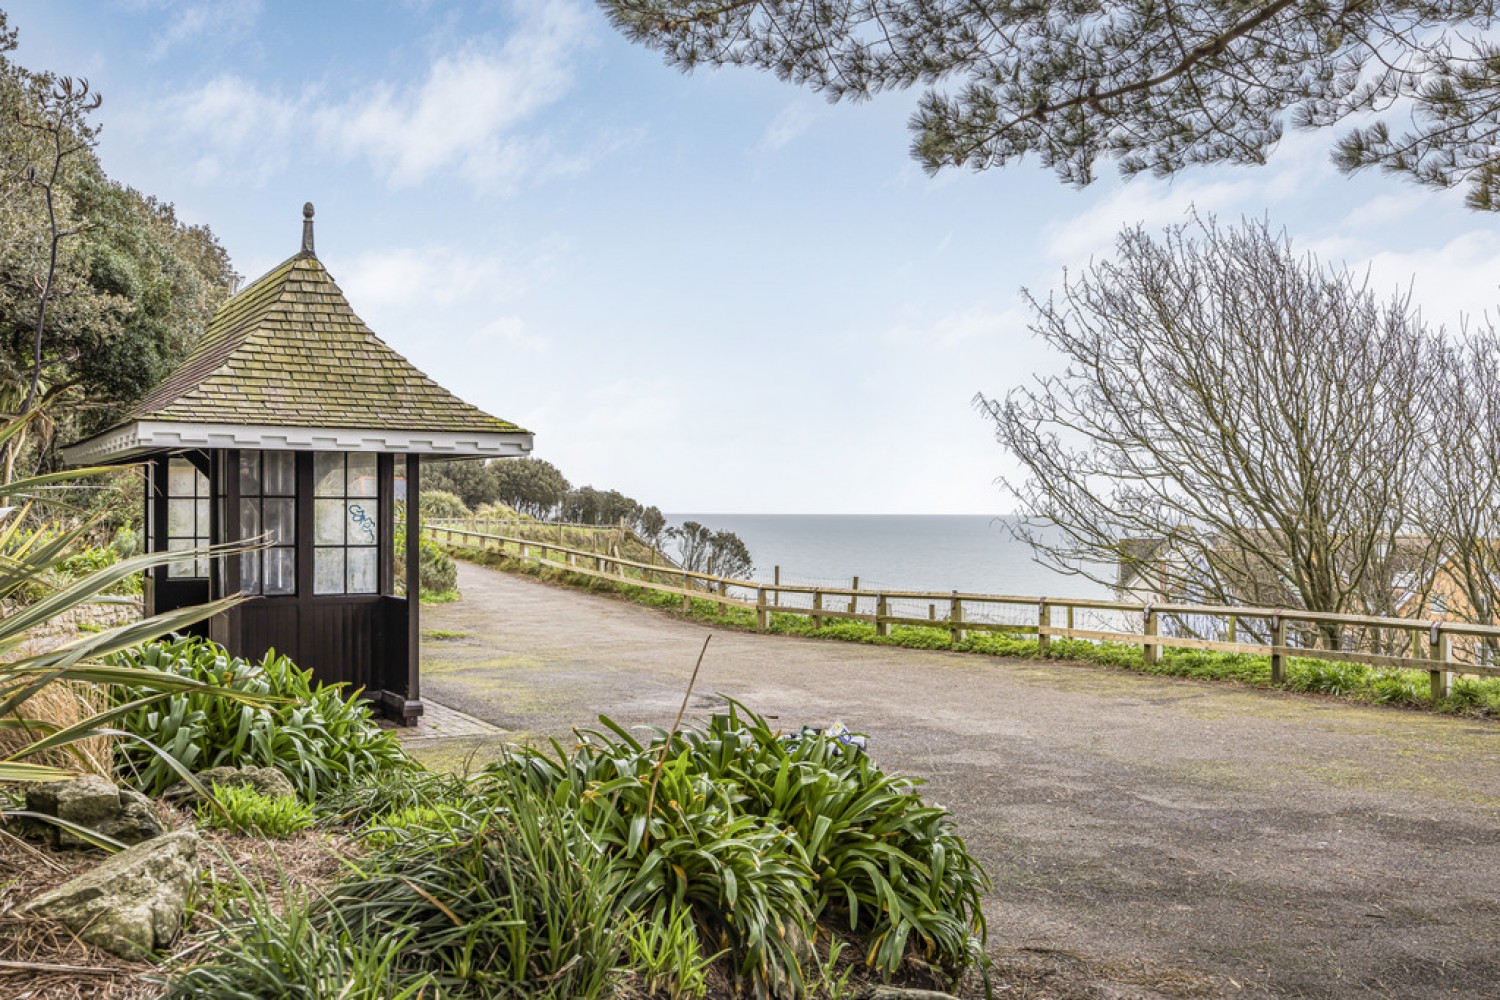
[714,292]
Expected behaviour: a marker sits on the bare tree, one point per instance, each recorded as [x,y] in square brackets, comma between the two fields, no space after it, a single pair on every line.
[1462,478]
[1244,421]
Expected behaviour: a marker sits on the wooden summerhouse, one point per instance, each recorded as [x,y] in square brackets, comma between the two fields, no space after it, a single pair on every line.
[294,423]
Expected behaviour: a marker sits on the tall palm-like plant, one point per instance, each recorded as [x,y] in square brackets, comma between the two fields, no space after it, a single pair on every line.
[28,559]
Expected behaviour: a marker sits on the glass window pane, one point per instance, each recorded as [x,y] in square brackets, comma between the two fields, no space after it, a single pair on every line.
[280,473]
[363,570]
[328,518]
[328,474]
[200,569]
[328,571]
[249,519]
[180,522]
[182,478]
[203,521]
[250,572]
[362,481]
[180,568]
[249,473]
[280,520]
[363,517]
[281,572]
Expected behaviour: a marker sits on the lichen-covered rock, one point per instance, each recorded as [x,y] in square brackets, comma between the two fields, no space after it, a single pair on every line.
[122,814]
[265,780]
[133,902]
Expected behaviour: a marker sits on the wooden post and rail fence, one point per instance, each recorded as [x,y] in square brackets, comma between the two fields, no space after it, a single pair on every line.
[1429,644]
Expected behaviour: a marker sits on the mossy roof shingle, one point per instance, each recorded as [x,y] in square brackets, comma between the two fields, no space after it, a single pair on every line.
[289,351]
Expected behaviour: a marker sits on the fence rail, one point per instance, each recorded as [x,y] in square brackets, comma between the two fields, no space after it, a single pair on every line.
[1392,643]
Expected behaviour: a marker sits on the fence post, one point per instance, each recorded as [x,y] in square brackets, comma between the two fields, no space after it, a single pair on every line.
[1043,623]
[854,597]
[1070,617]
[723,589]
[776,597]
[1234,621]
[1437,649]
[762,616]
[956,619]
[817,619]
[687,601]
[932,612]
[1150,651]
[1278,642]
[881,610]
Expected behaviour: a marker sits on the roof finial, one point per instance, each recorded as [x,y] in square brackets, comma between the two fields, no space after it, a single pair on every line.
[307,230]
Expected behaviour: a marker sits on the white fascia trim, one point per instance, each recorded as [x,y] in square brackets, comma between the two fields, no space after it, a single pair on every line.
[141,437]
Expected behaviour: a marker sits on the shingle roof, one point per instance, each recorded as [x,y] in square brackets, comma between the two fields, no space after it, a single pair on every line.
[289,351]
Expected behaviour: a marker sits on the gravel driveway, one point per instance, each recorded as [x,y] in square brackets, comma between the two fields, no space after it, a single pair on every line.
[1147,836]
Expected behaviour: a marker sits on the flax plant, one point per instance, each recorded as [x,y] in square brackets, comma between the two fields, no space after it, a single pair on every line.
[28,560]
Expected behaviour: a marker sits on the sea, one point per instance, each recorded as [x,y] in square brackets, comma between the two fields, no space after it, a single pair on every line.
[968,553]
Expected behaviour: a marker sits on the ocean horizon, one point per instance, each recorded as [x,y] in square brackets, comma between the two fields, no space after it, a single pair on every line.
[974,553]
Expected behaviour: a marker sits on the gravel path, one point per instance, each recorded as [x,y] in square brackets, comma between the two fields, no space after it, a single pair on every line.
[1169,837]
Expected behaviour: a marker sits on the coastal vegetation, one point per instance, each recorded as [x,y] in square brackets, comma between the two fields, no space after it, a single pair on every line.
[1409,688]
[529,489]
[731,858]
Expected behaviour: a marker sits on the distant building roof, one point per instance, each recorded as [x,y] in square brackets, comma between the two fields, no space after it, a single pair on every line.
[286,363]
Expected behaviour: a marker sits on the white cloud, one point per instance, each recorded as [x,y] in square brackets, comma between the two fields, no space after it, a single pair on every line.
[793,120]
[507,331]
[469,114]
[1155,203]
[465,113]
[1454,280]
[441,276]
[210,19]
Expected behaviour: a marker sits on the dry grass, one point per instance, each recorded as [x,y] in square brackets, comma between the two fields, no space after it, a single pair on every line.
[42,960]
[64,703]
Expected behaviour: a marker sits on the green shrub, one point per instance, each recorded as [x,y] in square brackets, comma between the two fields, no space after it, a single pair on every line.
[507,896]
[761,836]
[438,570]
[244,810]
[442,505]
[377,794]
[316,735]
[668,956]
[264,948]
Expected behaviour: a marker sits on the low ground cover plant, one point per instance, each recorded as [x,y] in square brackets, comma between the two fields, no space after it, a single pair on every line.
[742,865]
[242,809]
[321,736]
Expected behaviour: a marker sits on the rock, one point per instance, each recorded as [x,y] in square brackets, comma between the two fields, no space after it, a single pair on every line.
[265,780]
[90,801]
[133,902]
[898,993]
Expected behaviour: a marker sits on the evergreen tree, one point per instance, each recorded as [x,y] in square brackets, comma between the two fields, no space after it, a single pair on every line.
[105,281]
[1152,86]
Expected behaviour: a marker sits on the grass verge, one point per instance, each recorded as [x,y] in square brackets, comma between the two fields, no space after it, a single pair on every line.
[1479,697]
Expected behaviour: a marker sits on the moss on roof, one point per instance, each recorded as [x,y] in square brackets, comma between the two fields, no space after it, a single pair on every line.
[289,351]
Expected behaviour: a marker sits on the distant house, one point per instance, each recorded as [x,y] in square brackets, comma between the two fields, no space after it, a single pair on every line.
[1209,569]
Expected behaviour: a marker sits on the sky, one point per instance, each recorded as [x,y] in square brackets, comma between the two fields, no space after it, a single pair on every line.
[714,292]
